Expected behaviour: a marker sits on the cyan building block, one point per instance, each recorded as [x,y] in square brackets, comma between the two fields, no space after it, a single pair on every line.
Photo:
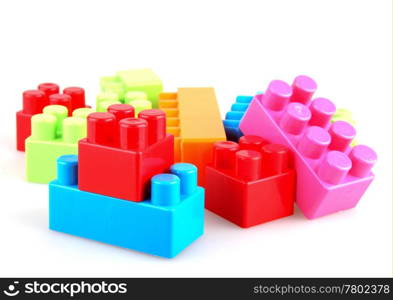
[163,225]
[233,117]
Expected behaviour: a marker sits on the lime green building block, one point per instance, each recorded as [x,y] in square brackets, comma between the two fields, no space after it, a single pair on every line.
[82,112]
[134,95]
[140,105]
[343,114]
[104,99]
[52,134]
[139,80]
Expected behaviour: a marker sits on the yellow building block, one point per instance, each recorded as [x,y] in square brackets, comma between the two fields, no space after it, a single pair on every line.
[193,117]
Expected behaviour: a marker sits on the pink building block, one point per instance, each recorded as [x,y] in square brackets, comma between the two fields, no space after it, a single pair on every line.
[331,176]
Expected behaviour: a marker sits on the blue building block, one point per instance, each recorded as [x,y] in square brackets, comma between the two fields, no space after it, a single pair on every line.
[163,225]
[234,116]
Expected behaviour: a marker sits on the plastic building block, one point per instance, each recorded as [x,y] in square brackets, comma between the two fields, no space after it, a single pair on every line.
[53,134]
[121,153]
[35,100]
[233,117]
[193,117]
[343,114]
[331,175]
[250,183]
[137,81]
[162,225]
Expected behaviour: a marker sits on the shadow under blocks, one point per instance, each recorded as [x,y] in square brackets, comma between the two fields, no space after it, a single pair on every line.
[331,175]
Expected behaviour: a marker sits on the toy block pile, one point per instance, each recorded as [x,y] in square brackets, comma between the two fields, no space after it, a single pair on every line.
[34,102]
[134,171]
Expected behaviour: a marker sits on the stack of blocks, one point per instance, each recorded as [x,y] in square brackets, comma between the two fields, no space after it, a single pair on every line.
[251,182]
[331,175]
[113,193]
[194,119]
[139,88]
[134,182]
[234,116]
[34,102]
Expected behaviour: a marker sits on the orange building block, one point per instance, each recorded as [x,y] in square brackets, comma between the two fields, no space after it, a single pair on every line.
[193,117]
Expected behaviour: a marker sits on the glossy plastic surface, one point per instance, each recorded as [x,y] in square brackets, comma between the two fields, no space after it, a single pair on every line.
[233,117]
[121,153]
[129,85]
[34,102]
[164,225]
[332,176]
[250,183]
[53,134]
[193,117]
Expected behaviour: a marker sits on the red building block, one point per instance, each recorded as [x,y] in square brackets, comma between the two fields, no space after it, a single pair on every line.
[121,153]
[250,183]
[35,100]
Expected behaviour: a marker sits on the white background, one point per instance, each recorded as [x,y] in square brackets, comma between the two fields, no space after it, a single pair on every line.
[237,47]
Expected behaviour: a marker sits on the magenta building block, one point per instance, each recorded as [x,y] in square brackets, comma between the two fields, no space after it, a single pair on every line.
[331,175]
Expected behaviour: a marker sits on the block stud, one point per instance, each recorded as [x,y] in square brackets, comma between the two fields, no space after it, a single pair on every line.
[244,99]
[49,88]
[334,167]
[107,96]
[140,105]
[103,105]
[74,129]
[114,86]
[363,159]
[121,111]
[248,165]
[295,118]
[60,112]
[303,87]
[241,107]
[82,112]
[62,99]
[165,190]
[67,169]
[77,96]
[251,142]
[188,174]
[322,110]
[134,95]
[342,134]
[234,115]
[133,134]
[156,121]
[101,128]
[34,101]
[314,142]
[275,159]
[43,127]
[224,154]
[277,95]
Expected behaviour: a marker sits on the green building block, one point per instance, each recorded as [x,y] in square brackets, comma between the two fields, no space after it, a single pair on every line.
[105,99]
[135,98]
[140,105]
[52,134]
[140,80]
